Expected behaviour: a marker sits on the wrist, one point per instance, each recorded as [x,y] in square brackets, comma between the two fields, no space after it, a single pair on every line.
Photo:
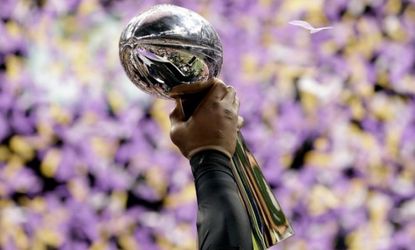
[209,160]
[217,149]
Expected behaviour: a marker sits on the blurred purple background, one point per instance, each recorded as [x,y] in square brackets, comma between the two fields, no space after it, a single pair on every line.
[86,161]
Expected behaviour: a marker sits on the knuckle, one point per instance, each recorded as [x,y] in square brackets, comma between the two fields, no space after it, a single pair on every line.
[218,81]
[215,104]
[229,113]
[220,86]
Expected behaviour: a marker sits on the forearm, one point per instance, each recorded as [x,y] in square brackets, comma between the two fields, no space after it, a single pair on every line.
[222,218]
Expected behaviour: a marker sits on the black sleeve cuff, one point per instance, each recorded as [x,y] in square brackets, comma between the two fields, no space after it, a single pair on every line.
[209,160]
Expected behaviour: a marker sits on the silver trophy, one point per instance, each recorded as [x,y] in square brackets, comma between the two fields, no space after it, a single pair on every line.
[169,46]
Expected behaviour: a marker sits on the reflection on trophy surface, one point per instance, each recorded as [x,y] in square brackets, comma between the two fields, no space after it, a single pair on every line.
[168,46]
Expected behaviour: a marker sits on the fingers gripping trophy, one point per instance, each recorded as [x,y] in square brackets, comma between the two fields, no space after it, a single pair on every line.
[171,52]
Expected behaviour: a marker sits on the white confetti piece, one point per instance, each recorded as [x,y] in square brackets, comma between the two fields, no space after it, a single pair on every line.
[308,26]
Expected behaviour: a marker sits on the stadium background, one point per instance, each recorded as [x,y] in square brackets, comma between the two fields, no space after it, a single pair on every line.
[85,157]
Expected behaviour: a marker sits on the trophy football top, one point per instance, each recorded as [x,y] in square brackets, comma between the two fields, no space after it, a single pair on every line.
[167,46]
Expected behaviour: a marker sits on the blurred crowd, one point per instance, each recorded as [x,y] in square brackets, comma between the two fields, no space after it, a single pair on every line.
[85,157]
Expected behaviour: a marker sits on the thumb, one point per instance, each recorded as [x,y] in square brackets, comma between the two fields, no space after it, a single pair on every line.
[177,125]
[177,115]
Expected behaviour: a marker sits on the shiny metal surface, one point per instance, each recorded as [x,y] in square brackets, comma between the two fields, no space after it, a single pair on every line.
[167,46]
[268,222]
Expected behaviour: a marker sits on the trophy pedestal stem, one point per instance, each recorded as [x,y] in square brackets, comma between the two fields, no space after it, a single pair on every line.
[268,223]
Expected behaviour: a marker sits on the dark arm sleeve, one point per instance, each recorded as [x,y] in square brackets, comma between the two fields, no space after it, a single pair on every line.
[222,221]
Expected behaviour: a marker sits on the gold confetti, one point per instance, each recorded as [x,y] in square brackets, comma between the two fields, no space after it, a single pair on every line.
[50,163]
